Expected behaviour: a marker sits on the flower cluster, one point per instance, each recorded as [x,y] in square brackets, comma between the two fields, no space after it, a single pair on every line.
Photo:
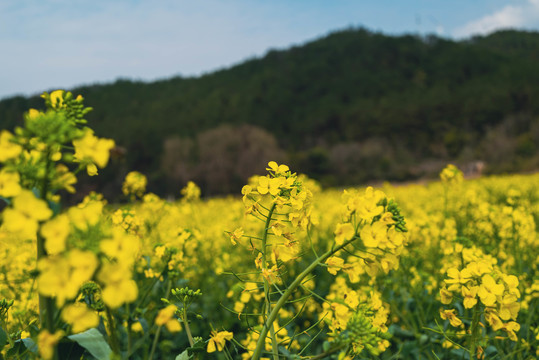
[482,285]
[378,224]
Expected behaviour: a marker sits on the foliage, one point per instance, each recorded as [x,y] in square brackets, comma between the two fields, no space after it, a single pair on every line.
[441,271]
[402,100]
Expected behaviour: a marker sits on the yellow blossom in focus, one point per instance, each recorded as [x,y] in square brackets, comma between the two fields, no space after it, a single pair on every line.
[269,185]
[218,339]
[277,169]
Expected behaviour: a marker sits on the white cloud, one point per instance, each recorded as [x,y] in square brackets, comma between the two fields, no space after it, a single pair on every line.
[511,16]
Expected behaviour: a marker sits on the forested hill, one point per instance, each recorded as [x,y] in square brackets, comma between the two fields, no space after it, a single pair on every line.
[350,107]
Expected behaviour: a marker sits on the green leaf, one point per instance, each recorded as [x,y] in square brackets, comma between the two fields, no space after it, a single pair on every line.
[183,356]
[93,341]
[3,338]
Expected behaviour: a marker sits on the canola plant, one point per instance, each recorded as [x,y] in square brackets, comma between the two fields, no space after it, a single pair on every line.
[284,270]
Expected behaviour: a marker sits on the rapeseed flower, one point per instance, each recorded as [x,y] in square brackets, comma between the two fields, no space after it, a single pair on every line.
[451,316]
[80,317]
[46,343]
[218,339]
[9,183]
[166,317]
[8,149]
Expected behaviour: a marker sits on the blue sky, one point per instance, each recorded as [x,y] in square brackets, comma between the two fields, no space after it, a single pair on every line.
[48,44]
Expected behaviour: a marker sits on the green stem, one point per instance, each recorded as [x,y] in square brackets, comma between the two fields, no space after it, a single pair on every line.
[46,304]
[112,330]
[156,339]
[129,332]
[187,328]
[474,332]
[274,345]
[282,300]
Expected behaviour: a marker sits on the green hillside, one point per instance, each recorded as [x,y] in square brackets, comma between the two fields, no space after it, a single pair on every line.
[350,107]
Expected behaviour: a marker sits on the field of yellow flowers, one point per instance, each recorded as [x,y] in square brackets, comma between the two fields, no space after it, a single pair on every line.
[283,270]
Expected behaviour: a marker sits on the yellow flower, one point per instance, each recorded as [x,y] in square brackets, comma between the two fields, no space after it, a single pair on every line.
[62,276]
[64,178]
[353,269]
[56,97]
[511,282]
[33,114]
[47,341]
[342,315]
[236,235]
[446,296]
[456,278]
[470,296]
[374,235]
[509,307]
[80,317]
[218,339]
[271,274]
[84,215]
[491,316]
[119,287]
[9,183]
[451,316]
[89,148]
[277,169]
[334,264]
[510,329]
[344,232]
[488,290]
[55,232]
[27,211]
[367,206]
[137,327]
[8,149]
[351,299]
[266,185]
[191,192]
[166,317]
[134,183]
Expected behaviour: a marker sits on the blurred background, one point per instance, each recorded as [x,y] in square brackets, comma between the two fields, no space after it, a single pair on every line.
[347,92]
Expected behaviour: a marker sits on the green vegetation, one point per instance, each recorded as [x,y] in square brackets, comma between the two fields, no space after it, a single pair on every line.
[350,107]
